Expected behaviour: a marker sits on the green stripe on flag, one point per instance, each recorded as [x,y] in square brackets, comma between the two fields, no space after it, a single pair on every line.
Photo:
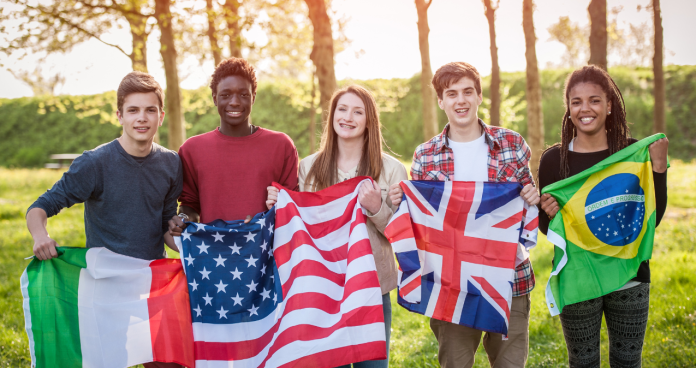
[52,289]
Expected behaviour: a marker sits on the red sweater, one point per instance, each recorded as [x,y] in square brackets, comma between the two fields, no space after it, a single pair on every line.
[226,177]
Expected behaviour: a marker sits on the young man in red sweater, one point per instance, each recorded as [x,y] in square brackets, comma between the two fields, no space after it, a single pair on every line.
[227,170]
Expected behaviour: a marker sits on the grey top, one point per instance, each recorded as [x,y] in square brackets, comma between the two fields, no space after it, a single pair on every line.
[127,204]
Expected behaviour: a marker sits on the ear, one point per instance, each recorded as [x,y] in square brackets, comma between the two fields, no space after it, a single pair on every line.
[119,116]
[480,98]
[215,99]
[609,106]
[440,103]
[253,98]
[161,119]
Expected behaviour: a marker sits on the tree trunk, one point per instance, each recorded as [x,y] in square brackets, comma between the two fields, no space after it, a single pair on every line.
[495,68]
[598,33]
[322,52]
[175,116]
[659,111]
[232,19]
[535,117]
[138,32]
[313,117]
[430,127]
[212,37]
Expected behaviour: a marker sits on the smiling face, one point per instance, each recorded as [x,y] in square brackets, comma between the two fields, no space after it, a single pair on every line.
[234,99]
[350,118]
[589,107]
[460,102]
[140,117]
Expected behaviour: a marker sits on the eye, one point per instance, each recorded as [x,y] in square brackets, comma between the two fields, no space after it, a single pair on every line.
[359,112]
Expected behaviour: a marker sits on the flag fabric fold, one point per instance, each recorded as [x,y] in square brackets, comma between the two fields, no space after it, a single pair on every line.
[95,308]
[605,226]
[295,287]
[457,245]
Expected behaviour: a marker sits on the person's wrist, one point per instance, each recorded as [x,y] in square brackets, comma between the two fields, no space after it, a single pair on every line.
[183,216]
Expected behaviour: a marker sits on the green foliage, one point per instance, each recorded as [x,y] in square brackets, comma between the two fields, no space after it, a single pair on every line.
[34,128]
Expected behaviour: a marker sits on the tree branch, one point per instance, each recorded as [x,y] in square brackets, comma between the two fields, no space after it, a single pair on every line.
[77,27]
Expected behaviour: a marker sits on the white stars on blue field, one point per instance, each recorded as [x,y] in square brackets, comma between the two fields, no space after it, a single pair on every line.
[230,270]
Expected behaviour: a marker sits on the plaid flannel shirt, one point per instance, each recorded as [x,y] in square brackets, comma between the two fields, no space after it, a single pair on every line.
[508,158]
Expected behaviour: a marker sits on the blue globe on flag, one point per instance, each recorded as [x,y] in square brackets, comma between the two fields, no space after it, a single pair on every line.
[615,209]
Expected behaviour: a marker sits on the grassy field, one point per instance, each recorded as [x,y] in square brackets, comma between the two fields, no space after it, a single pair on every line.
[670,339]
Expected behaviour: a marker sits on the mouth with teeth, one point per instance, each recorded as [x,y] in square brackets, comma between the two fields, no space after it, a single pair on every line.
[141,129]
[462,111]
[346,126]
[587,120]
[234,114]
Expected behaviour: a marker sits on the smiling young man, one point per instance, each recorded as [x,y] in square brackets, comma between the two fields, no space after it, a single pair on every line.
[129,186]
[469,150]
[227,170]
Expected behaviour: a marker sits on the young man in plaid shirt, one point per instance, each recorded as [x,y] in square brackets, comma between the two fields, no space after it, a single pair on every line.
[469,150]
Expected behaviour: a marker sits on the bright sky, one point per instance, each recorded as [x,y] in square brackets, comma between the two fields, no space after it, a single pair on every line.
[387,33]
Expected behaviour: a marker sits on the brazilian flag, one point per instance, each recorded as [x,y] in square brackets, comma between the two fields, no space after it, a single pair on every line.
[605,227]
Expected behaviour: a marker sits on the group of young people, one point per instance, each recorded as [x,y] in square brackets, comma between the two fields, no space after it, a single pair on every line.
[131,186]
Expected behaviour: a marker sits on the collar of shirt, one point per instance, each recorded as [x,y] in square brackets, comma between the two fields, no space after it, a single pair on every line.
[443,139]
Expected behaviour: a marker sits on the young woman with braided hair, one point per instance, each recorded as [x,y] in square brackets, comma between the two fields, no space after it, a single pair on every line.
[594,127]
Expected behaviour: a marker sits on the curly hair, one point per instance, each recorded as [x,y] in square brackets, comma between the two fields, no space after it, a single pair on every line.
[234,66]
[618,133]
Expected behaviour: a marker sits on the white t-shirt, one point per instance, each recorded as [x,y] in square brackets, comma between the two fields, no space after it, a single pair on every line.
[470,159]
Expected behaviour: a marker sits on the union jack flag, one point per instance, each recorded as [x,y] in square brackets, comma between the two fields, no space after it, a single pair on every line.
[457,245]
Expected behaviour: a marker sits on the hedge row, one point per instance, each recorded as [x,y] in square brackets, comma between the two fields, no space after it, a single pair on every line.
[33,128]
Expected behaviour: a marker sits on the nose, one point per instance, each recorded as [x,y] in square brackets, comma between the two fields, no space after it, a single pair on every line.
[585,107]
[234,100]
[460,99]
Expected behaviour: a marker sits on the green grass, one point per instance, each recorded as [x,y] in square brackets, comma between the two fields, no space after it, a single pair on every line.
[669,342]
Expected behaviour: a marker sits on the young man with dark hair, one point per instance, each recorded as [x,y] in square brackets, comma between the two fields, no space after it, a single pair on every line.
[469,150]
[129,185]
[227,170]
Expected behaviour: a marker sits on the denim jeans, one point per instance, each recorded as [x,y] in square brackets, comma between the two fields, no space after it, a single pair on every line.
[386,308]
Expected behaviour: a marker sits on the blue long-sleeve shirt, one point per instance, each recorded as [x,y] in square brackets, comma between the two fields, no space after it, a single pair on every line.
[127,203]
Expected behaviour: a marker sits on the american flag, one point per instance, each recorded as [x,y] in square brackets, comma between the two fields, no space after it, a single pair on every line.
[296,286]
[457,245]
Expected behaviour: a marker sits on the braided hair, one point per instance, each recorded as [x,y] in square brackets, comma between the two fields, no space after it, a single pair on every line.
[618,134]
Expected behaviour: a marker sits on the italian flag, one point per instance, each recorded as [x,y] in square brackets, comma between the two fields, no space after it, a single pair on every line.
[95,308]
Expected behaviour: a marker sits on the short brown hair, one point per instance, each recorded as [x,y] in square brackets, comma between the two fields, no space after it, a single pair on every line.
[138,82]
[451,73]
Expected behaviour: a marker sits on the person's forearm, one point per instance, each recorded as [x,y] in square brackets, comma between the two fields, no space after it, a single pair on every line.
[36,223]
[169,241]
[193,216]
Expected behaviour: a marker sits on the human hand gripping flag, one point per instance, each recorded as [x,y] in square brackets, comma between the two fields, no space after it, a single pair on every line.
[457,245]
[295,287]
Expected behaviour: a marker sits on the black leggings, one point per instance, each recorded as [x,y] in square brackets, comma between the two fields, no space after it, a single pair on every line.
[626,313]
